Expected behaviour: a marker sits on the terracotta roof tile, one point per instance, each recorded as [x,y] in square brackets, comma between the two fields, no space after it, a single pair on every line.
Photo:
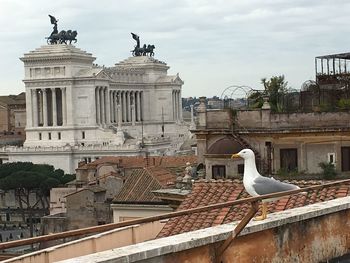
[140,161]
[211,192]
[139,185]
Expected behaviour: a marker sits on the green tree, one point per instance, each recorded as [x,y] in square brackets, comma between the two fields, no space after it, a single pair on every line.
[275,88]
[328,170]
[30,180]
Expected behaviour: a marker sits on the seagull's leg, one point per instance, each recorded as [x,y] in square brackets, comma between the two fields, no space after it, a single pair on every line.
[263,212]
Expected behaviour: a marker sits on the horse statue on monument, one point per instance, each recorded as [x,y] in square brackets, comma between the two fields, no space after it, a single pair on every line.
[141,51]
[62,37]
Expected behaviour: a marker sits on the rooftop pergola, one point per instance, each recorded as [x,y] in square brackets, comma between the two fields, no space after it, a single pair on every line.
[332,64]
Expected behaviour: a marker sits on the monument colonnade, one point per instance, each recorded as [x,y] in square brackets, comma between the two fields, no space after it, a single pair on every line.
[48,106]
[118,106]
[177,105]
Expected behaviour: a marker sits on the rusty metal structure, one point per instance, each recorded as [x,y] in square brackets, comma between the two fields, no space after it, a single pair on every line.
[330,91]
[333,71]
[331,85]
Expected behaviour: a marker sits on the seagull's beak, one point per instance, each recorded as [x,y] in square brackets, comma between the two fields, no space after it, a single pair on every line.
[236,155]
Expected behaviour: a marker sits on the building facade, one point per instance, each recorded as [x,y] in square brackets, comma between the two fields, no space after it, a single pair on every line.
[76,110]
[283,143]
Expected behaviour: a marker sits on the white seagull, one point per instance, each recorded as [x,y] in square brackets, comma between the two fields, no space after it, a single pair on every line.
[256,185]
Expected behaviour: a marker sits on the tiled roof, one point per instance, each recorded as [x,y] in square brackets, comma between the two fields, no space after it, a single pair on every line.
[140,183]
[211,192]
[92,188]
[13,99]
[140,161]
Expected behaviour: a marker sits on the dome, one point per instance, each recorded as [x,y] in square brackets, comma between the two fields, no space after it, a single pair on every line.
[225,146]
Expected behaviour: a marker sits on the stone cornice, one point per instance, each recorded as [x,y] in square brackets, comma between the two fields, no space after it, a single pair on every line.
[54,53]
[62,81]
[47,83]
[32,62]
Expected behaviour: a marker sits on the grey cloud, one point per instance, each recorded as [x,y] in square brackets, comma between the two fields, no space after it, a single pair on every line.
[210,43]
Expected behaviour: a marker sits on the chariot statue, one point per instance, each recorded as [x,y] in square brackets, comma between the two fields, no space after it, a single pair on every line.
[62,37]
[142,51]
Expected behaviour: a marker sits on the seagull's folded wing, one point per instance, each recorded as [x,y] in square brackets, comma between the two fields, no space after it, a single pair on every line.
[264,185]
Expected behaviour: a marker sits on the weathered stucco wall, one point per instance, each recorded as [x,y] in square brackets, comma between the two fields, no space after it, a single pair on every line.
[314,233]
[314,240]
[108,240]
[263,119]
[123,212]
[231,167]
[219,119]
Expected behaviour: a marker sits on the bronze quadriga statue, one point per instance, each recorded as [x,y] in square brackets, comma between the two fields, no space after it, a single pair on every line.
[62,36]
[142,51]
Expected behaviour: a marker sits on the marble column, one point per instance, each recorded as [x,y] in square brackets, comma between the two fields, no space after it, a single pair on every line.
[180,106]
[124,105]
[35,108]
[128,110]
[137,103]
[142,114]
[175,106]
[64,107]
[97,101]
[44,107]
[107,107]
[54,107]
[119,111]
[132,109]
[97,104]
[103,114]
[112,103]
[29,108]
[70,106]
[115,99]
[173,102]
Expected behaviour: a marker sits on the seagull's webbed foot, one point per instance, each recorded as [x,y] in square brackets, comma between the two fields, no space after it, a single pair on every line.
[263,213]
[259,218]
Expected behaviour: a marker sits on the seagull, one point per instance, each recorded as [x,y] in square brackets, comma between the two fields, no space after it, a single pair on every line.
[256,184]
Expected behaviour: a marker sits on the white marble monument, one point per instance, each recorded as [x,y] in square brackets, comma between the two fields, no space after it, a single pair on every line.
[80,111]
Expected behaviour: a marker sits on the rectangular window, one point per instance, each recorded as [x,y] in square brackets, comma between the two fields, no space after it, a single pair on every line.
[40,136]
[59,135]
[345,159]
[218,171]
[289,159]
[83,135]
[331,158]
[49,135]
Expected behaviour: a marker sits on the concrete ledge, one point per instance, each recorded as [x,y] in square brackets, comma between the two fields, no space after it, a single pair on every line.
[163,246]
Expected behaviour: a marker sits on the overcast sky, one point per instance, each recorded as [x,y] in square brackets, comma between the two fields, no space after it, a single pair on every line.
[211,44]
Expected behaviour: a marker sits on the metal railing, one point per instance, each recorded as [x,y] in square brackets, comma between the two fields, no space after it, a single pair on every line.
[102,228]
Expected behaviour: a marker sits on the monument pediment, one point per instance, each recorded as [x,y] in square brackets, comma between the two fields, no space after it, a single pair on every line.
[98,73]
[103,75]
[175,79]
